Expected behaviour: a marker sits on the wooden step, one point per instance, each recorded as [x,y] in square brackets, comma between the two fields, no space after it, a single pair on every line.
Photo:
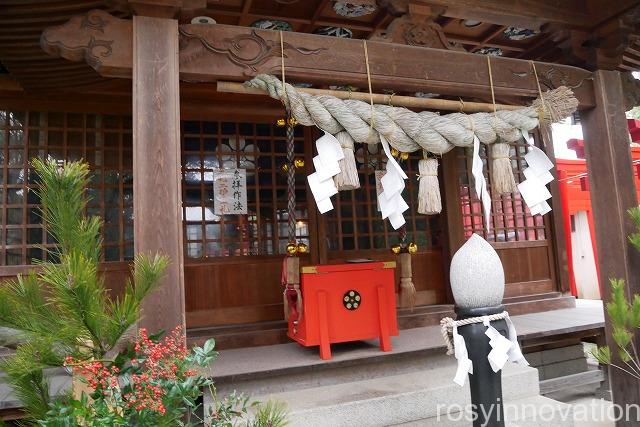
[269,333]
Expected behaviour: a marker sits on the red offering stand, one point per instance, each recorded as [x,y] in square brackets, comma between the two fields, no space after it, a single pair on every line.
[346,302]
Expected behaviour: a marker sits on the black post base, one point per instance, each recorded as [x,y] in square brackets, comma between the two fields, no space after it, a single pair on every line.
[485,385]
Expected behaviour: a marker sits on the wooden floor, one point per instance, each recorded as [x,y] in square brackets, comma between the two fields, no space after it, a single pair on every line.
[585,320]
[275,332]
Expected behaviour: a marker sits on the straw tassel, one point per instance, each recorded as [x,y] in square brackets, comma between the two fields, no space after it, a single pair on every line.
[502,180]
[429,201]
[556,104]
[347,179]
[407,288]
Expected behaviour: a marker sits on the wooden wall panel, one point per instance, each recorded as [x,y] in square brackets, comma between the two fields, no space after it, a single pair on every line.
[234,290]
[527,268]
[428,271]
[248,290]
[218,285]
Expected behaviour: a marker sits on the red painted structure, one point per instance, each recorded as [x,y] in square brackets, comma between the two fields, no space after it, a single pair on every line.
[574,191]
[346,302]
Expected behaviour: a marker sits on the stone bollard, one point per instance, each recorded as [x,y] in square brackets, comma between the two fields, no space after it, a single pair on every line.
[477,283]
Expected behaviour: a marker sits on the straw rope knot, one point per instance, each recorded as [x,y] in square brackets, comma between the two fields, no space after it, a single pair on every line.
[406,130]
[447,324]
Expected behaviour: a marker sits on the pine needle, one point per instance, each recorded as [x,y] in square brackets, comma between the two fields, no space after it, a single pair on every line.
[64,309]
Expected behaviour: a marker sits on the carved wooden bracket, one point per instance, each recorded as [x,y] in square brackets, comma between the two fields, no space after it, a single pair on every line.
[223,52]
[417,28]
[245,50]
[98,38]
[611,41]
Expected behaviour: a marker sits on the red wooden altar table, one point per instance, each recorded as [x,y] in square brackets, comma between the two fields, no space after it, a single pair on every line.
[346,302]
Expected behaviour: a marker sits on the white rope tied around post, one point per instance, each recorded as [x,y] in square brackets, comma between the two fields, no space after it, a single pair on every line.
[447,324]
[502,349]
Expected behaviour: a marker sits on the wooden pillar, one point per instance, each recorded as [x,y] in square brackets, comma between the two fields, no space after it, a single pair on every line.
[156,162]
[612,188]
[592,234]
[566,225]
[453,214]
[559,247]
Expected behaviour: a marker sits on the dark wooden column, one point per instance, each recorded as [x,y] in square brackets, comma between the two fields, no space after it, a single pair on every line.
[559,245]
[613,192]
[452,213]
[156,162]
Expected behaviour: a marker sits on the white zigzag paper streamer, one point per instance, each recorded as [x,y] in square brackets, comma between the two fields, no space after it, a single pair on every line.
[481,183]
[326,166]
[392,205]
[502,350]
[533,189]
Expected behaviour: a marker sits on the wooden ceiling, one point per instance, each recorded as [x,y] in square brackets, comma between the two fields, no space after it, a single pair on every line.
[577,32]
[311,16]
[477,29]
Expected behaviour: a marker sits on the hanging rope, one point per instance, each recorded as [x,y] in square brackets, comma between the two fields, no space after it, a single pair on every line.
[493,95]
[366,60]
[502,179]
[291,264]
[535,75]
[291,179]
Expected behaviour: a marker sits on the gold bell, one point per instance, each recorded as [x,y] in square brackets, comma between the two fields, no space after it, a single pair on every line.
[292,249]
[292,121]
[404,156]
[298,163]
[302,248]
[396,249]
[412,248]
[285,168]
[281,122]
[394,152]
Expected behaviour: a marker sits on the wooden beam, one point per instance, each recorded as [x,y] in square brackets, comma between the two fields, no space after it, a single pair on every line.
[156,8]
[490,36]
[157,201]
[8,83]
[246,7]
[378,98]
[316,14]
[528,13]
[478,44]
[351,24]
[221,52]
[613,192]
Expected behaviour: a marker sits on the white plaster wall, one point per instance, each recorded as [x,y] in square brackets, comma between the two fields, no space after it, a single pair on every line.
[584,267]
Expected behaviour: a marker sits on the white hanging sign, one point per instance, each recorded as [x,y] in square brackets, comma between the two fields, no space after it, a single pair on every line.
[230,191]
